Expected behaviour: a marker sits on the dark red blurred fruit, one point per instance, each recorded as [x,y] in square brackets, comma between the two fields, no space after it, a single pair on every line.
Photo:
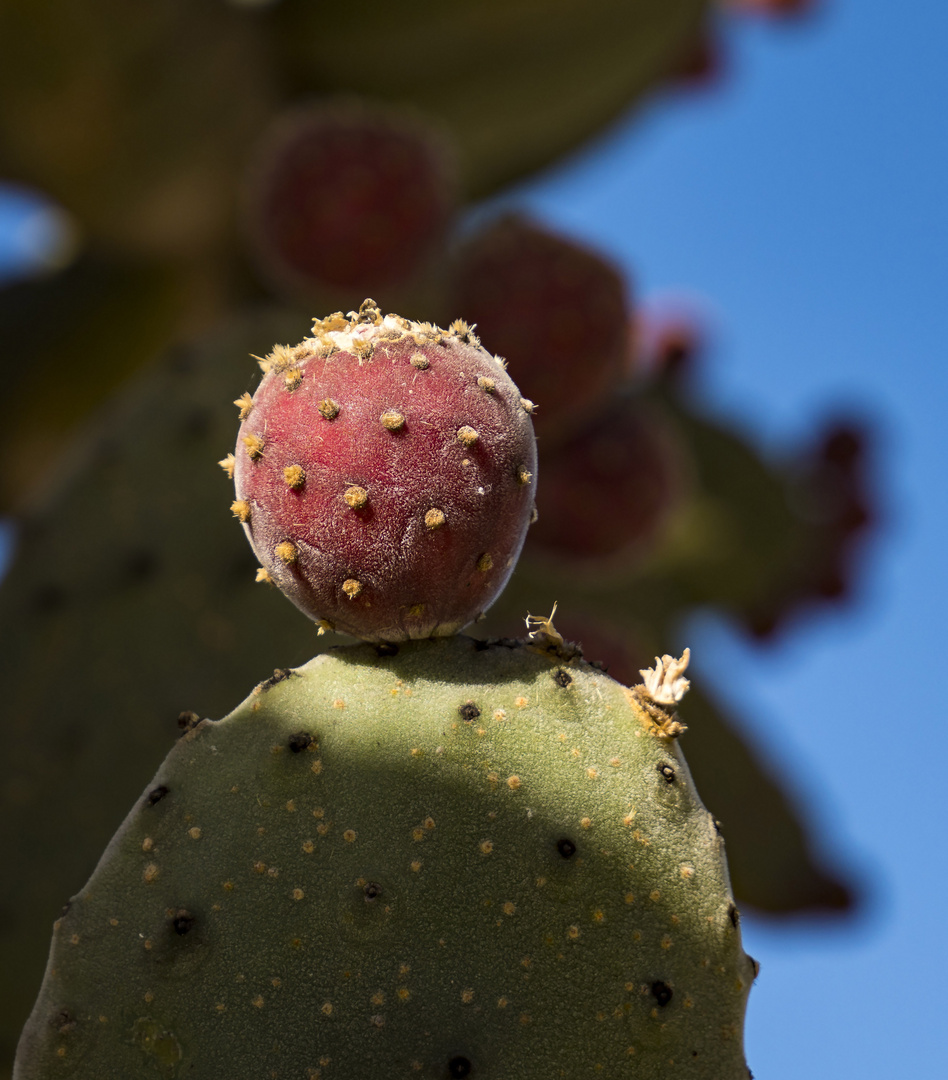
[611,487]
[835,500]
[772,7]
[348,197]
[559,312]
[668,346]
[612,648]
[701,66]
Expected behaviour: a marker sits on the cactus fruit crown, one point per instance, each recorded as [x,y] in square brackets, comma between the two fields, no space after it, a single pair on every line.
[441,859]
[384,475]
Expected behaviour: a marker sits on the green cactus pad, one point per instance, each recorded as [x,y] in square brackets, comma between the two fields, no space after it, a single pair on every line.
[446,859]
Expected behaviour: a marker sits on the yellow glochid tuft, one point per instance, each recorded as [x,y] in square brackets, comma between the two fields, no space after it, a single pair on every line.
[392,419]
[254,444]
[286,551]
[352,588]
[467,436]
[295,476]
[356,497]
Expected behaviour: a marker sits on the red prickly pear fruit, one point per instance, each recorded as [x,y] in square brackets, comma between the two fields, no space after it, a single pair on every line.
[611,488]
[384,475]
[347,198]
[559,312]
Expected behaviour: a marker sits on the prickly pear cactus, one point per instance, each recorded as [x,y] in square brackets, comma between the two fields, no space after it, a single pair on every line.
[447,858]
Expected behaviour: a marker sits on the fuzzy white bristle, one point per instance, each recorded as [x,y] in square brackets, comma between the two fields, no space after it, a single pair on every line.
[368,325]
[664,683]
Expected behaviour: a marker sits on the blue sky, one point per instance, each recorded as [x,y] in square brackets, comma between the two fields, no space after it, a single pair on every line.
[801,206]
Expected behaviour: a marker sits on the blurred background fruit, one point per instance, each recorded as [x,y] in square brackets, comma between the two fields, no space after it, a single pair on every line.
[558,312]
[349,199]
